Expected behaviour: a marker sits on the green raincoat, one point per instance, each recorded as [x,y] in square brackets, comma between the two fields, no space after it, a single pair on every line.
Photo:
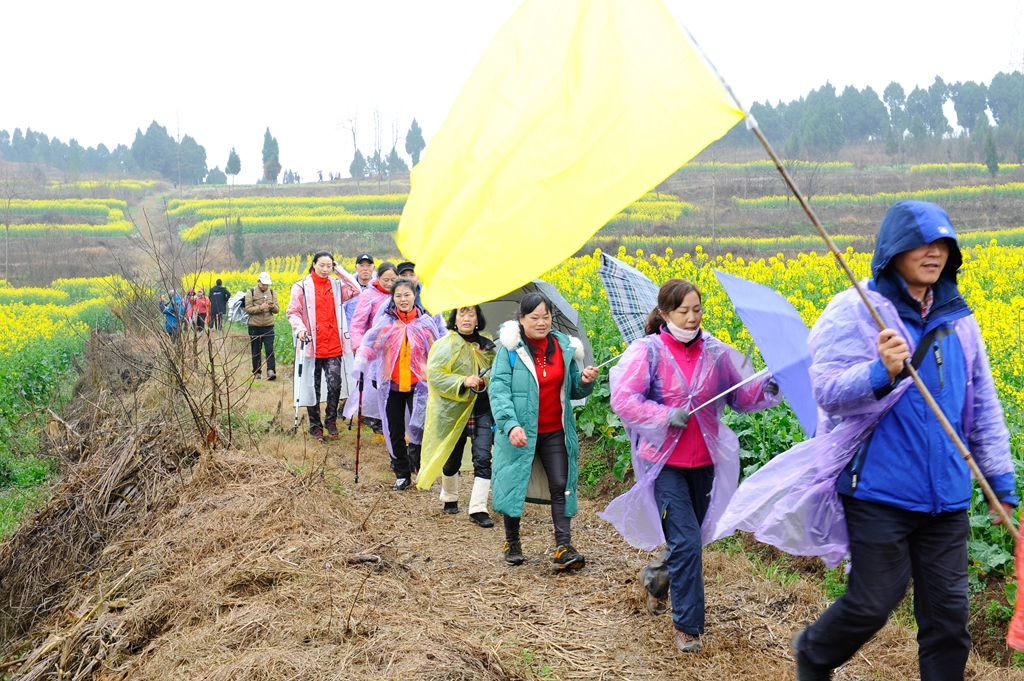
[515,401]
[449,402]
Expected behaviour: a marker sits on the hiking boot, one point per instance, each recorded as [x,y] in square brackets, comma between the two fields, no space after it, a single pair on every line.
[257,376]
[656,606]
[687,643]
[332,430]
[568,558]
[317,432]
[805,671]
[378,438]
[401,484]
[451,507]
[514,553]
[271,375]
[482,519]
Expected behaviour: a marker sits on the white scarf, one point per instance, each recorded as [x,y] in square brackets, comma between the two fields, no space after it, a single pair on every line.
[682,335]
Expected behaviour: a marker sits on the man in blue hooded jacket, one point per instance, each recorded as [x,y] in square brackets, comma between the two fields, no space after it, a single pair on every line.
[906,491]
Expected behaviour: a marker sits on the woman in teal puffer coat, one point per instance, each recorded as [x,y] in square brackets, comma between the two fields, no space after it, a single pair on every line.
[534,377]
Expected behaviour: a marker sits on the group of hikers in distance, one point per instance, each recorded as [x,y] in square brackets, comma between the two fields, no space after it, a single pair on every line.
[894,487]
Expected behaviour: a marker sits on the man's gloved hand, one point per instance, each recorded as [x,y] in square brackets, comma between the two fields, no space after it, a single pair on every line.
[771,387]
[679,418]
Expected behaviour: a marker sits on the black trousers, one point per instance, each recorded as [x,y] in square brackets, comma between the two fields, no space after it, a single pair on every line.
[888,546]
[555,459]
[482,437]
[217,321]
[331,366]
[262,337]
[404,458]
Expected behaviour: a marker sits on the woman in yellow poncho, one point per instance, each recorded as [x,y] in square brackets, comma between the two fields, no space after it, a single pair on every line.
[457,408]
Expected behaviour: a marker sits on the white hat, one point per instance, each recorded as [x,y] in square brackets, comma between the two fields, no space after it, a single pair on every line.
[264,278]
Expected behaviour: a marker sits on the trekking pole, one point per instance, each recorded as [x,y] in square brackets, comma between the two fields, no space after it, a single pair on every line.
[359,424]
[990,495]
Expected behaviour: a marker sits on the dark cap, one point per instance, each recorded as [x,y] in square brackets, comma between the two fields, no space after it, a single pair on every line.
[364,256]
[405,265]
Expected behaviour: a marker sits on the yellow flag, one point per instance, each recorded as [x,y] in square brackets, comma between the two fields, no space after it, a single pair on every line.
[576,108]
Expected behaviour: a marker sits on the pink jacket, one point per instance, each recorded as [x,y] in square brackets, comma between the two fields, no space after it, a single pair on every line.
[302,307]
[369,302]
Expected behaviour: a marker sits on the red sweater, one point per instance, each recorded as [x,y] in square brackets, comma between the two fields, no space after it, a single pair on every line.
[691,451]
[328,338]
[551,379]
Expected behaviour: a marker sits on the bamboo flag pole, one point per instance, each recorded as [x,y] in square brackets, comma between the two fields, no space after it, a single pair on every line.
[936,409]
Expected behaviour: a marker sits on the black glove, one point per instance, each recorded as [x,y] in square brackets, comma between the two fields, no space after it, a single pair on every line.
[679,418]
[771,387]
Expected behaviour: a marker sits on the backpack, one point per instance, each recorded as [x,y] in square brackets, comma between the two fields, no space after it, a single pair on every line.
[236,308]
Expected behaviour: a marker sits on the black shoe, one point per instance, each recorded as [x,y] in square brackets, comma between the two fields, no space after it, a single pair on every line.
[805,671]
[401,484]
[514,553]
[568,558]
[451,507]
[482,519]
[257,376]
[271,375]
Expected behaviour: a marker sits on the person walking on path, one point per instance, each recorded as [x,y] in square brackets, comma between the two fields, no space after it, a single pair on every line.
[370,301]
[219,297]
[364,275]
[173,311]
[316,316]
[458,408]
[903,488]
[534,378]
[261,306]
[201,310]
[397,349]
[686,465]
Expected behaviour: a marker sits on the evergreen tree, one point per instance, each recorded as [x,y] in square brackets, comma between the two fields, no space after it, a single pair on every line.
[216,176]
[358,166]
[271,162]
[991,155]
[822,126]
[193,161]
[233,166]
[238,242]
[892,146]
[895,100]
[969,100]
[395,164]
[414,143]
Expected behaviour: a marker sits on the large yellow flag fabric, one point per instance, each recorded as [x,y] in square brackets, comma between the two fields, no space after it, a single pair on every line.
[576,108]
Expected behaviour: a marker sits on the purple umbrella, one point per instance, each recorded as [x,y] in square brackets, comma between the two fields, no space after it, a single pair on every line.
[781,336]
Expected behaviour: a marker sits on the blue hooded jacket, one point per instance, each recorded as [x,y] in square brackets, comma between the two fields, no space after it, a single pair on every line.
[908,461]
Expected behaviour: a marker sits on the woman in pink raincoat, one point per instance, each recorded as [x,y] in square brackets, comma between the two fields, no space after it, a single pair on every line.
[397,348]
[369,301]
[686,464]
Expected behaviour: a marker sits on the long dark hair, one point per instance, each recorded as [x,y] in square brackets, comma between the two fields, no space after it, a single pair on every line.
[528,304]
[317,256]
[385,267]
[670,296]
[481,323]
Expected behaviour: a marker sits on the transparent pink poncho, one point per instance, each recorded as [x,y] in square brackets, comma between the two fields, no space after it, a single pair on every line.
[647,386]
[792,503]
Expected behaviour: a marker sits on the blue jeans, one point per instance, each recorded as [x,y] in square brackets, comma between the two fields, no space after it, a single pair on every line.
[683,496]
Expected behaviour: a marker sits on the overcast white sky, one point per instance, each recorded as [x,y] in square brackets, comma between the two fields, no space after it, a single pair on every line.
[98,70]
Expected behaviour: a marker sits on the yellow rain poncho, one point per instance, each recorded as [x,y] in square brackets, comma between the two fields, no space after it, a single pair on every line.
[449,402]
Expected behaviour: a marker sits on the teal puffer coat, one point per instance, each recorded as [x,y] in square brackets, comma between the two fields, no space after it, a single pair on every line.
[515,401]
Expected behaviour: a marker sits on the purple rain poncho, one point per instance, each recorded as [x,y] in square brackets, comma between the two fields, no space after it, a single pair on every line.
[647,386]
[792,503]
[378,353]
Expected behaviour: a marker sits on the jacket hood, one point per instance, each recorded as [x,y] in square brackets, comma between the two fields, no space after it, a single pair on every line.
[910,224]
[510,338]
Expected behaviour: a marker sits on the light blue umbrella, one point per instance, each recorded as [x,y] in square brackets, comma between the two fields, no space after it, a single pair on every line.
[781,336]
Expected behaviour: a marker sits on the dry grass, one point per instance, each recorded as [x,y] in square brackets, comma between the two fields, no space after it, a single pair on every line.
[150,564]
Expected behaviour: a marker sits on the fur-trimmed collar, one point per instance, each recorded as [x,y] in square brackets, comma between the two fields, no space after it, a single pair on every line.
[511,338]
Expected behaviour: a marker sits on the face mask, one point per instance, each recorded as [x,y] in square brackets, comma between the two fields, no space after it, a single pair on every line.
[682,335]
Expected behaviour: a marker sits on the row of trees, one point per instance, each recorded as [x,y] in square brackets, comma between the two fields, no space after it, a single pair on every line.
[379,165]
[824,121]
